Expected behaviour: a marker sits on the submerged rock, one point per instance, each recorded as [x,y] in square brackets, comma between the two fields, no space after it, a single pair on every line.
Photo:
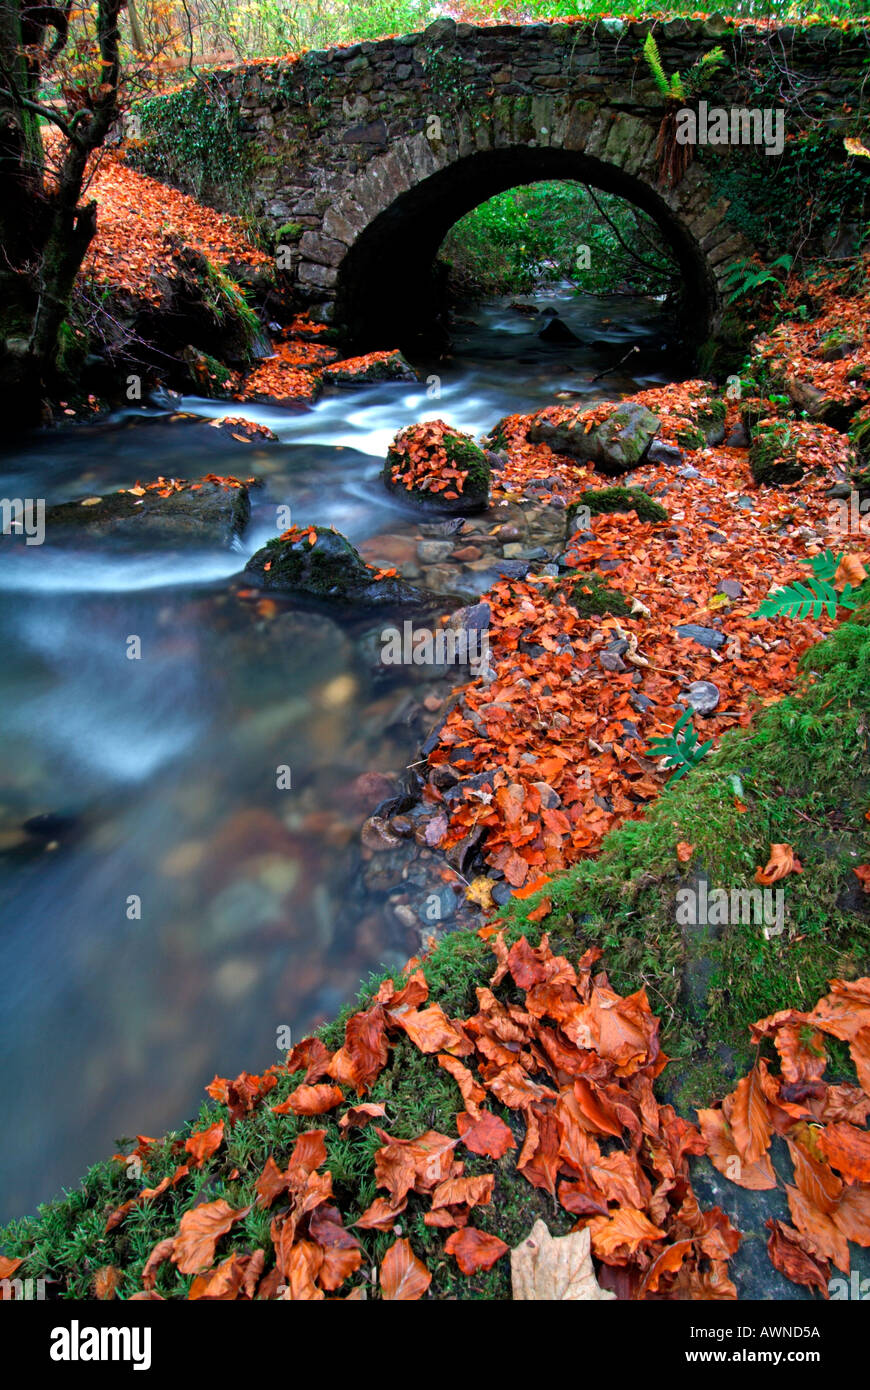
[204,513]
[323,564]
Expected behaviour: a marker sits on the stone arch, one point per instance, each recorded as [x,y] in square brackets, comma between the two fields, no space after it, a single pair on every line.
[380,236]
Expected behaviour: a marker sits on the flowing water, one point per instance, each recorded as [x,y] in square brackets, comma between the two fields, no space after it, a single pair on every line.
[159,774]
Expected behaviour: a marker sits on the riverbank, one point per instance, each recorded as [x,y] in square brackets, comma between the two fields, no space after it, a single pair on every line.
[597,865]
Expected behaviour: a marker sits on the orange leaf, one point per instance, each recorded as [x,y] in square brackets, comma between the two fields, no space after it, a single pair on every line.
[402,1276]
[474,1250]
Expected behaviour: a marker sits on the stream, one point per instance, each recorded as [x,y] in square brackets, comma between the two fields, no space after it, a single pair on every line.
[157,777]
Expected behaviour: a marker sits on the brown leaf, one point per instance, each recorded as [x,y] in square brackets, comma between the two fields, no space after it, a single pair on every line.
[749,1117]
[486,1134]
[790,1253]
[310,1100]
[848,1150]
[205,1142]
[402,1276]
[199,1231]
[474,1250]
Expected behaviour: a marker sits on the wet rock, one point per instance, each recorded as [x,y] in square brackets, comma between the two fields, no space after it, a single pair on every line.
[501,894]
[378,836]
[615,446]
[329,569]
[667,454]
[737,437]
[466,553]
[703,696]
[369,789]
[557,331]
[433,552]
[438,906]
[610,661]
[210,515]
[50,825]
[459,856]
[709,637]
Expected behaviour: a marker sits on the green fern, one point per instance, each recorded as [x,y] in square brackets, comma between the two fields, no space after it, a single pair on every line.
[816,597]
[674,88]
[684,753]
[654,62]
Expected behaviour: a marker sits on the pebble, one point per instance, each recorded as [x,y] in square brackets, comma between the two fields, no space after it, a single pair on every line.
[703,696]
[466,553]
[431,552]
[732,587]
[705,636]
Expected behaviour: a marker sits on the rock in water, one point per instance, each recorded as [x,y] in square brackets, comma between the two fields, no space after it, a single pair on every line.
[557,331]
[206,513]
[323,564]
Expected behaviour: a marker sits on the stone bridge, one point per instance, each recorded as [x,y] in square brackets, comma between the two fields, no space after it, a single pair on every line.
[372,152]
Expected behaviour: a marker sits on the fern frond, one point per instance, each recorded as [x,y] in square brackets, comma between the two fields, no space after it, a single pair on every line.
[799,600]
[654,62]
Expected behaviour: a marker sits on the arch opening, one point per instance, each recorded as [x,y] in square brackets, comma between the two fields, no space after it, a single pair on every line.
[387,294]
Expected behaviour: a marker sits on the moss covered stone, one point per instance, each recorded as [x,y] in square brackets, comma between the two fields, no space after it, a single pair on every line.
[592,598]
[606,500]
[773,454]
[419,456]
[614,446]
[707,424]
[328,568]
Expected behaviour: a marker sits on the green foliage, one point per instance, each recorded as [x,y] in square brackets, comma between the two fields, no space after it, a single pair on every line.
[745,278]
[676,88]
[192,138]
[680,747]
[814,598]
[534,235]
[787,203]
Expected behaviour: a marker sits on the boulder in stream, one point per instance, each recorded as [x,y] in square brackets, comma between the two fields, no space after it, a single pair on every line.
[438,468]
[323,564]
[169,512]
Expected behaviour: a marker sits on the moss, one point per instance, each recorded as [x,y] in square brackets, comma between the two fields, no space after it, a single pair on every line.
[773,456]
[606,500]
[707,424]
[289,233]
[461,452]
[464,453]
[592,598]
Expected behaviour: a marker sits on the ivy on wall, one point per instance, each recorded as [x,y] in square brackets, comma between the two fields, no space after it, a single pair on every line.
[193,138]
